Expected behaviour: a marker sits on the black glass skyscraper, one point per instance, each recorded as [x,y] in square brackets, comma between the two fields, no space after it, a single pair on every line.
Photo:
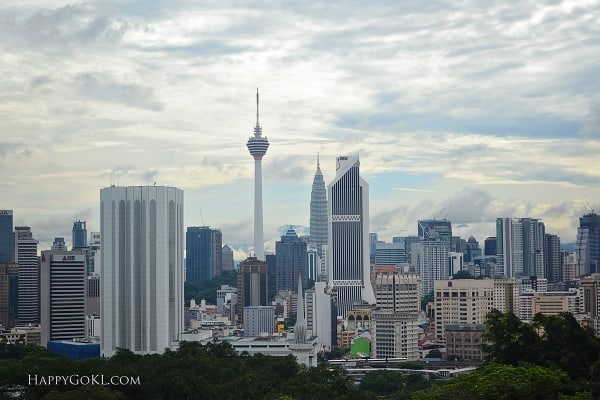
[203,253]
[6,236]
[79,235]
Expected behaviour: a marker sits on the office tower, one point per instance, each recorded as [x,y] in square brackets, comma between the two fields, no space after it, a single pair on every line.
[142,268]
[224,295]
[258,145]
[408,243]
[390,254]
[318,212]
[431,262]
[6,236]
[472,250]
[59,244]
[490,246]
[590,287]
[458,244]
[435,229]
[79,235]
[395,335]
[506,295]
[313,263]
[204,253]
[93,254]
[455,262]
[462,301]
[227,255]
[321,314]
[399,293]
[348,248]
[92,301]
[253,285]
[372,247]
[568,266]
[587,245]
[259,320]
[29,275]
[62,295]
[292,261]
[9,294]
[520,247]
[552,265]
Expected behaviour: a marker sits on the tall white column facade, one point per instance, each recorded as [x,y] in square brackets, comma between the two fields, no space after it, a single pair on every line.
[257,146]
[348,220]
[142,268]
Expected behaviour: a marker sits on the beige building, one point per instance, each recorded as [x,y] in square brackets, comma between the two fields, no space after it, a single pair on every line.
[397,292]
[395,335]
[22,335]
[590,286]
[548,303]
[461,301]
[506,295]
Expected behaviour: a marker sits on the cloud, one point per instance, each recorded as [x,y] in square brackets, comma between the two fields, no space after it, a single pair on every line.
[103,87]
[591,122]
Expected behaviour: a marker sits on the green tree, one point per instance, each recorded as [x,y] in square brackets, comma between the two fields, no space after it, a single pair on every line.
[462,274]
[566,345]
[510,341]
[503,382]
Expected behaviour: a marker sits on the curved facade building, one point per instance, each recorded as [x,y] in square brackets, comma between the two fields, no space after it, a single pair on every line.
[348,218]
[142,268]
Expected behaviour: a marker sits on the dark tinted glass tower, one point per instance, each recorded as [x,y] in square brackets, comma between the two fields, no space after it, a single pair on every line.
[79,235]
[587,245]
[6,236]
[204,254]
[291,261]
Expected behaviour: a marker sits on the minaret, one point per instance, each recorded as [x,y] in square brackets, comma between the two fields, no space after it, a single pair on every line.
[258,145]
[300,327]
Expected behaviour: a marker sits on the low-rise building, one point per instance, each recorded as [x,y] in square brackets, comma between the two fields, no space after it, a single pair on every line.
[464,342]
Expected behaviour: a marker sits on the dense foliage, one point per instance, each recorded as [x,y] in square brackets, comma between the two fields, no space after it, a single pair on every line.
[214,371]
[208,289]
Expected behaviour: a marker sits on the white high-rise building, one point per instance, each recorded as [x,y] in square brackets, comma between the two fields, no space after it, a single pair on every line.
[520,247]
[348,215]
[142,268]
[431,262]
[258,145]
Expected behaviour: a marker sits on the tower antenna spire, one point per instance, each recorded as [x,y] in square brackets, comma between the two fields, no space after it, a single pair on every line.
[257,123]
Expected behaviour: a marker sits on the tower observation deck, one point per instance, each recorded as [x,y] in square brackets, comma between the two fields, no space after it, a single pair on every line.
[257,144]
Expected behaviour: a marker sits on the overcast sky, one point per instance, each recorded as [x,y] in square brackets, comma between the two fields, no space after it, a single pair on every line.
[465,110]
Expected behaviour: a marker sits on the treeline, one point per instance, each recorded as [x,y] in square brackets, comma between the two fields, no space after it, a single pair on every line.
[195,371]
[552,358]
[208,289]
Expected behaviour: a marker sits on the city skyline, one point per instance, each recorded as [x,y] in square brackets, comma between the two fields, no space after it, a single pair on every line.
[471,113]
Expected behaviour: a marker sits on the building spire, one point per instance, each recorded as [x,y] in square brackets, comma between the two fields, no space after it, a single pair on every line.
[257,123]
[300,327]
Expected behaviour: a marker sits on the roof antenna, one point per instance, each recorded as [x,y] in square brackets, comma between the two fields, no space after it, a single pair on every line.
[257,124]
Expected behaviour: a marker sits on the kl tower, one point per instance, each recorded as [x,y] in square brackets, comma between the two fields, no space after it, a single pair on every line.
[258,145]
